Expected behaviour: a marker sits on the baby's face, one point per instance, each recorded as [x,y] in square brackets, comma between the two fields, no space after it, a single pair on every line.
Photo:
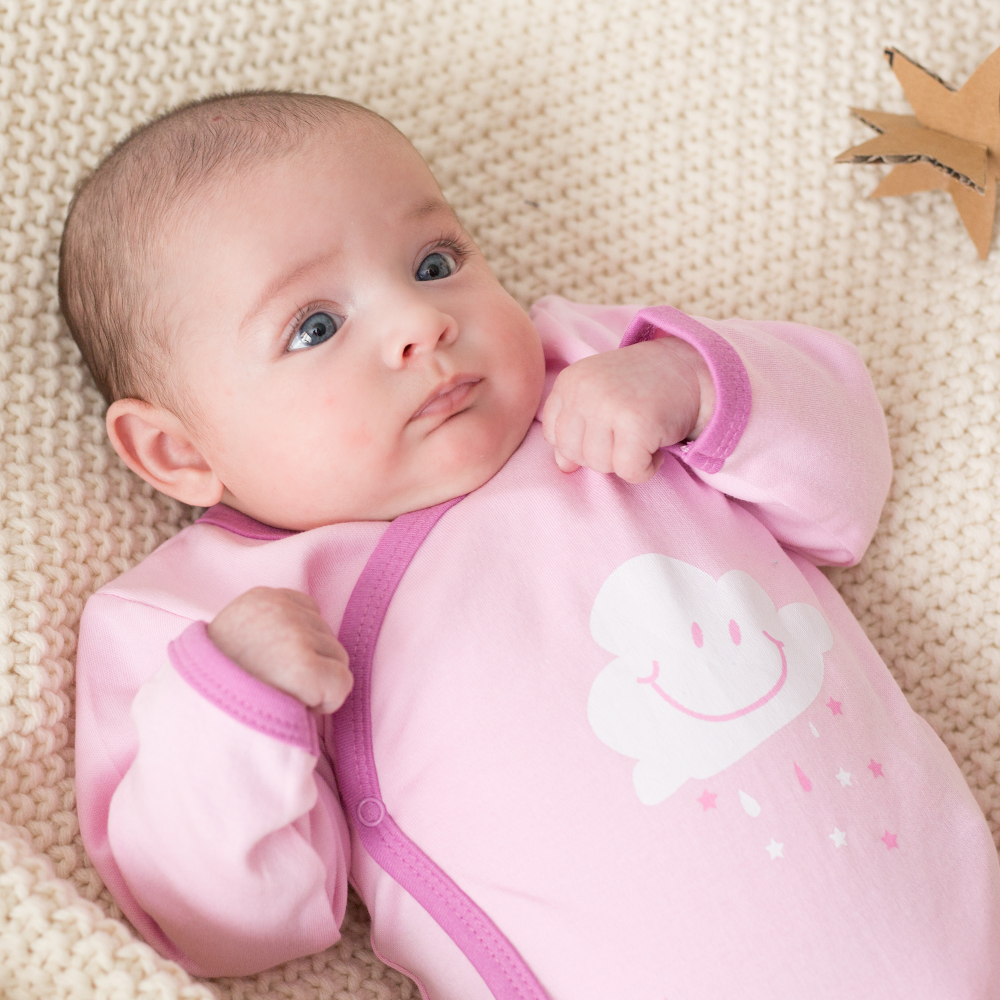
[348,351]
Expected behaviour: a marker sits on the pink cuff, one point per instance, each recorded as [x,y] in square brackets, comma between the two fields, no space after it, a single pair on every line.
[241,696]
[732,384]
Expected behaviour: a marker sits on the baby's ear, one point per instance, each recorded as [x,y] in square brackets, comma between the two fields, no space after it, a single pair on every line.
[155,444]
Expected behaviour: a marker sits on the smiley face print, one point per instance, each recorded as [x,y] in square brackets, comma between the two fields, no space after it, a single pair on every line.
[705,669]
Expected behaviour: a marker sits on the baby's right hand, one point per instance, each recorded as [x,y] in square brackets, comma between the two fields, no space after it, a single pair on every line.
[280,637]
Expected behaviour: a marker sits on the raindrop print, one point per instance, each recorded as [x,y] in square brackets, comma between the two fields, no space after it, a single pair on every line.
[803,778]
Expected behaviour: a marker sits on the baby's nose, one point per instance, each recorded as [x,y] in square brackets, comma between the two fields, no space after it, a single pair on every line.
[415,330]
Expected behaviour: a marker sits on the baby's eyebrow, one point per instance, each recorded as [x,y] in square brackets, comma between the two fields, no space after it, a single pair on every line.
[283,280]
[432,206]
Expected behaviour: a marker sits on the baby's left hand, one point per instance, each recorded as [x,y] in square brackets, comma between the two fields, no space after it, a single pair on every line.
[613,412]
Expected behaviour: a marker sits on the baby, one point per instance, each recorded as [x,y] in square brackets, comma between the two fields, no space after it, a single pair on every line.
[515,624]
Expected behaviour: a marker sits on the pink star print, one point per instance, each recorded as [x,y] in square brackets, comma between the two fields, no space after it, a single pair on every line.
[707,800]
[889,839]
[876,768]
[834,707]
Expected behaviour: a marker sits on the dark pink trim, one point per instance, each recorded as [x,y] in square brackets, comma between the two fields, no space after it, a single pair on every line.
[349,739]
[729,376]
[245,698]
[238,523]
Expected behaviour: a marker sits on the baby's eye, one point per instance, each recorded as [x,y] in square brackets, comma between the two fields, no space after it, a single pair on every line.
[436,265]
[318,328]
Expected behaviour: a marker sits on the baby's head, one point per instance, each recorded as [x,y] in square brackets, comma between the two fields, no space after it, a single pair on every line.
[285,314]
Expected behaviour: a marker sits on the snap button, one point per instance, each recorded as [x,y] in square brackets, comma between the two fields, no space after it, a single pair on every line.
[370,812]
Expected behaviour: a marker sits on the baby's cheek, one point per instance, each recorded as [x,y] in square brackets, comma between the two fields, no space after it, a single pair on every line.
[527,381]
[355,438]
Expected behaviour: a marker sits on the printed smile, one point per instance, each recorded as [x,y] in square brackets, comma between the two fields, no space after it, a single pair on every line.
[729,716]
[449,396]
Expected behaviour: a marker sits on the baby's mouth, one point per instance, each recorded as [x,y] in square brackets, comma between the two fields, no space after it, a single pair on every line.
[448,397]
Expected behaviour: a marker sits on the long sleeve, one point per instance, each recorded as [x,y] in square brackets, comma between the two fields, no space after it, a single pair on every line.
[797,435]
[204,809]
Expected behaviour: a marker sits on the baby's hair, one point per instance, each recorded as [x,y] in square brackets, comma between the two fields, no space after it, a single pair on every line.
[119,213]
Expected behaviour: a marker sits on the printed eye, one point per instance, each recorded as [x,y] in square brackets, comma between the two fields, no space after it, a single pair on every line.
[697,635]
[734,632]
[317,329]
[436,265]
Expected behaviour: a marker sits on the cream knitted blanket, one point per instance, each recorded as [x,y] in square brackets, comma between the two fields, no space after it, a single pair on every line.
[609,150]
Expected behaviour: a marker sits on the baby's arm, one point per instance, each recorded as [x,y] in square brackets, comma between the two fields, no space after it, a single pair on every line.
[796,432]
[813,462]
[212,817]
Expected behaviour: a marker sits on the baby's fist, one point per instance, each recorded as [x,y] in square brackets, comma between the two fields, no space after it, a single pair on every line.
[614,411]
[279,637]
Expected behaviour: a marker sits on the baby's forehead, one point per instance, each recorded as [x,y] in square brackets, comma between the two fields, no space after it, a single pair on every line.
[383,174]
[354,145]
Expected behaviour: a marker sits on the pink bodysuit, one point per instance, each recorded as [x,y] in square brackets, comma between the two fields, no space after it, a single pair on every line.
[608,741]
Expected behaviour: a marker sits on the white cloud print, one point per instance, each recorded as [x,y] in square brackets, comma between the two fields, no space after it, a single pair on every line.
[706,670]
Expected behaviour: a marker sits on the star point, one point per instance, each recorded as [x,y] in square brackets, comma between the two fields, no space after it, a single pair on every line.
[775,849]
[839,837]
[844,777]
[707,800]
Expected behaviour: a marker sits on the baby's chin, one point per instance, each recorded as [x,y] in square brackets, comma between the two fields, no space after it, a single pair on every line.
[455,474]
[463,461]
[457,484]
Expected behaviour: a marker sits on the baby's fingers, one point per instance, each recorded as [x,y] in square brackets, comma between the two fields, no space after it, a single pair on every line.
[567,440]
[632,460]
[324,682]
[599,447]
[550,413]
[565,465]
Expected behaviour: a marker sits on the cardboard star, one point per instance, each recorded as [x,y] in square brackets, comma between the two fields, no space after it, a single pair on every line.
[952,143]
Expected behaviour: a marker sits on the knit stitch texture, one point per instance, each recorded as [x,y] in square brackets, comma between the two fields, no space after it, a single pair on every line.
[608,150]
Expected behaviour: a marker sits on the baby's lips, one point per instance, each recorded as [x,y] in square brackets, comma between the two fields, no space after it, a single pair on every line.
[449,395]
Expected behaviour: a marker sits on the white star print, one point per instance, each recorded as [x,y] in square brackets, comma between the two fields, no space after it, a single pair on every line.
[775,849]
[839,837]
[844,777]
